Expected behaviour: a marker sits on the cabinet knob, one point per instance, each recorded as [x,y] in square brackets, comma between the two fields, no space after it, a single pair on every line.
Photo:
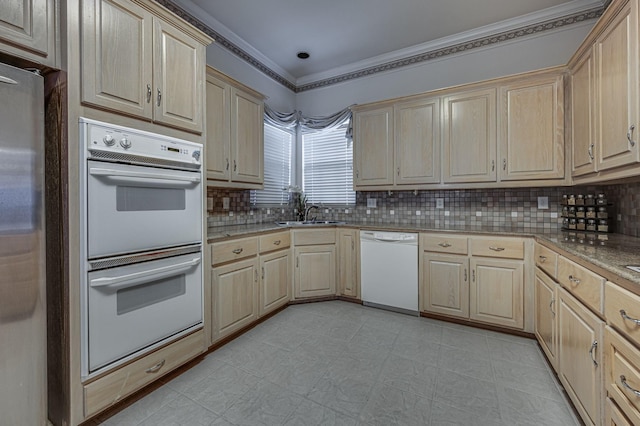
[542,259]
[574,279]
[445,244]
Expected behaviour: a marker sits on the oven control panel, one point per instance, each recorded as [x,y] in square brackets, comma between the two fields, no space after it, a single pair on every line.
[106,140]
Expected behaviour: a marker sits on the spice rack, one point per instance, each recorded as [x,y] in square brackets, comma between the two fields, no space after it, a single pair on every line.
[590,212]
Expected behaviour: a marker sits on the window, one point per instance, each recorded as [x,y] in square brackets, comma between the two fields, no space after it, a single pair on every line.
[277,167]
[327,167]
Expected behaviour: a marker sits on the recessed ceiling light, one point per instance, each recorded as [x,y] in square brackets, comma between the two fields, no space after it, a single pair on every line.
[303,55]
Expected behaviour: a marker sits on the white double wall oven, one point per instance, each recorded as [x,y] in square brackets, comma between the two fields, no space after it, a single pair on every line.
[141,242]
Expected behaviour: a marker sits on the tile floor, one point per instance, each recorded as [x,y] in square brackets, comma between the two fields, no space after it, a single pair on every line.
[338,363]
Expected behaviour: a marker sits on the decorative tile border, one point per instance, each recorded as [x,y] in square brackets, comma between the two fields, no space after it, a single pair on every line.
[411,60]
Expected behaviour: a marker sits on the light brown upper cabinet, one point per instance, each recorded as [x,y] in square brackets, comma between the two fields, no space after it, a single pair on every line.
[582,114]
[373,146]
[397,145]
[469,136]
[616,77]
[139,60]
[531,123]
[417,141]
[28,30]
[235,133]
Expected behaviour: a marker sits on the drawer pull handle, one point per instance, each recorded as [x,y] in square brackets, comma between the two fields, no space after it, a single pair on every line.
[623,382]
[594,345]
[156,367]
[148,93]
[550,306]
[277,242]
[445,244]
[238,251]
[542,259]
[496,248]
[465,275]
[624,315]
[574,279]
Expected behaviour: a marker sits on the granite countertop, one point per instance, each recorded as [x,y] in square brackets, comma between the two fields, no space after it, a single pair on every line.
[609,253]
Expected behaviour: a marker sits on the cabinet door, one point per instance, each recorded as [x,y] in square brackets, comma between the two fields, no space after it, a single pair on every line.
[275,269]
[234,291]
[469,137]
[247,135]
[27,29]
[417,141]
[178,77]
[532,129]
[445,284]
[582,114]
[117,57]
[616,55]
[218,128]
[348,261]
[545,316]
[373,147]
[580,356]
[497,292]
[315,271]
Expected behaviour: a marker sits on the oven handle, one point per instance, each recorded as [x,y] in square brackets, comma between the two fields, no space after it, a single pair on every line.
[95,171]
[130,280]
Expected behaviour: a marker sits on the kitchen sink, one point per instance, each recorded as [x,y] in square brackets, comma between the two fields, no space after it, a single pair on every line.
[310,223]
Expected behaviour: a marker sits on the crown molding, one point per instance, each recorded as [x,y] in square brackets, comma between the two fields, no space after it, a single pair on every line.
[554,18]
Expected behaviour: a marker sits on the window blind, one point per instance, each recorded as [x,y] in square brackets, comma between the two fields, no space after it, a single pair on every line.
[277,167]
[327,167]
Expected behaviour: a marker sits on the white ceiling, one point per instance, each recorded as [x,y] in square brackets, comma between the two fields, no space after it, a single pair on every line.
[344,34]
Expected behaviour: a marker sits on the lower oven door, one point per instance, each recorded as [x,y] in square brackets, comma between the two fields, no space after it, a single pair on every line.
[135,208]
[132,307]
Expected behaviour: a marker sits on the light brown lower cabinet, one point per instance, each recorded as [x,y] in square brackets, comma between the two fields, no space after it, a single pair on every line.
[234,297]
[580,356]
[348,263]
[315,271]
[546,316]
[622,374]
[497,292]
[275,281]
[445,284]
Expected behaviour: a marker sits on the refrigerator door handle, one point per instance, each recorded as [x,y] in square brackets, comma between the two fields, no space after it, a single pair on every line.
[7,80]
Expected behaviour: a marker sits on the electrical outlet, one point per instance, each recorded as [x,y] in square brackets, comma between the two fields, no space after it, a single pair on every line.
[543,203]
[439,203]
[225,203]
[210,203]
[371,203]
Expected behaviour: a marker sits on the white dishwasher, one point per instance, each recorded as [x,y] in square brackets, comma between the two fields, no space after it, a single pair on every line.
[389,270]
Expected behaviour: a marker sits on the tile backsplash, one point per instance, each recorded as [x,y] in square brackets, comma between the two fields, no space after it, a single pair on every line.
[513,209]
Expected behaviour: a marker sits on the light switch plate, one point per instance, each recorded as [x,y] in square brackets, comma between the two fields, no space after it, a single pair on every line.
[210,203]
[439,203]
[225,203]
[371,203]
[543,203]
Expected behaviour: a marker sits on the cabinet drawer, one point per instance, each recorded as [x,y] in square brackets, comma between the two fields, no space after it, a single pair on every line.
[547,260]
[276,241]
[617,299]
[622,374]
[582,283]
[497,247]
[613,416]
[312,237]
[443,243]
[227,251]
[111,388]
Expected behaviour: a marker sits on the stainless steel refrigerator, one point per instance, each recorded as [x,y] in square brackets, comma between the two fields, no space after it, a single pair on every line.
[23,351]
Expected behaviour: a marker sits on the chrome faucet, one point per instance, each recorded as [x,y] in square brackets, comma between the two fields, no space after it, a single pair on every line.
[307,210]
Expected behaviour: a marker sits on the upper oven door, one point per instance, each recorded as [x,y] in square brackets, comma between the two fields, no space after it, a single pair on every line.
[137,208]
